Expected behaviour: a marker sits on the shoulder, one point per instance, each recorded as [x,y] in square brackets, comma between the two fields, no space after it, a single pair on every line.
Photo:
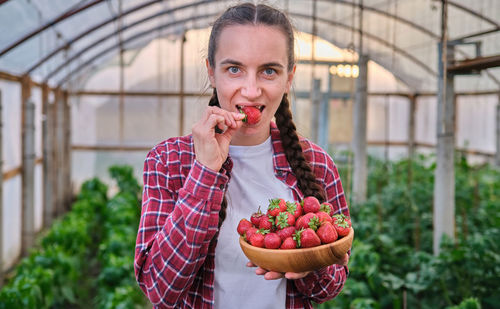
[314,153]
[175,149]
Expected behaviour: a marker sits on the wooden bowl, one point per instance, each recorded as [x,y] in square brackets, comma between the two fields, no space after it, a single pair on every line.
[298,260]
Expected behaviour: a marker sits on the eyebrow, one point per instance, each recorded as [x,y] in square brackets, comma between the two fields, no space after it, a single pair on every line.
[235,62]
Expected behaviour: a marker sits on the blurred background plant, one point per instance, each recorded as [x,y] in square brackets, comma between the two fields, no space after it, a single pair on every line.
[85,260]
[392,264]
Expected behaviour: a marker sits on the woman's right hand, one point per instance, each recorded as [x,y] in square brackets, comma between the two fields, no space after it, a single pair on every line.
[211,149]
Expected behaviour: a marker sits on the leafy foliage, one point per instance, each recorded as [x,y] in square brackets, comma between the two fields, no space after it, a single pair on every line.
[392,263]
[116,282]
[85,260]
[54,275]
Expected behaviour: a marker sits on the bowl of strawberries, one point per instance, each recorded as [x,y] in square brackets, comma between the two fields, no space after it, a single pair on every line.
[295,236]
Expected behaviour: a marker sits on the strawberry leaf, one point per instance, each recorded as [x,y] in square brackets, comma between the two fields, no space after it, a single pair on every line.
[314,223]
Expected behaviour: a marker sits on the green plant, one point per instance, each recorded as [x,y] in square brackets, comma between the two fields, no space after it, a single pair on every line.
[392,263]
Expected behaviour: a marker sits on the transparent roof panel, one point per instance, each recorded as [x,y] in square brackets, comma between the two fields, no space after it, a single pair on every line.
[400,35]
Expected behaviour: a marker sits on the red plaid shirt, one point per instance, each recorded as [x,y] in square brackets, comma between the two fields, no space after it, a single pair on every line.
[174,253]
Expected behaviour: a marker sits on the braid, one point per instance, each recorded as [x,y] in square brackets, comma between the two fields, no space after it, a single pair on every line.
[293,151]
[214,101]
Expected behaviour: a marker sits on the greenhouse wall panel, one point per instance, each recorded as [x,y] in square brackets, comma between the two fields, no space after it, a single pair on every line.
[11,121]
[38,197]
[476,122]
[12,221]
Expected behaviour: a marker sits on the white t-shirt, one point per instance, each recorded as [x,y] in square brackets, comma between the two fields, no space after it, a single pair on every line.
[252,184]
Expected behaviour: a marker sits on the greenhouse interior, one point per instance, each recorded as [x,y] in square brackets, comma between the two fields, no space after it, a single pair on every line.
[404,96]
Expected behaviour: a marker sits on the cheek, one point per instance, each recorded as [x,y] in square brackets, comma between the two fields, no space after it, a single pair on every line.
[225,92]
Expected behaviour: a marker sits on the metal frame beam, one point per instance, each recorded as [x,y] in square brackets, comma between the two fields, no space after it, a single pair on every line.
[96,27]
[343,2]
[103,39]
[477,64]
[73,11]
[63,16]
[374,38]
[137,36]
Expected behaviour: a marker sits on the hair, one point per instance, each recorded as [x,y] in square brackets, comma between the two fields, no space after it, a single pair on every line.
[261,14]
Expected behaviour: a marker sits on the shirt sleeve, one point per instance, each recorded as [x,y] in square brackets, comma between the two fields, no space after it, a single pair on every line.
[325,284]
[176,227]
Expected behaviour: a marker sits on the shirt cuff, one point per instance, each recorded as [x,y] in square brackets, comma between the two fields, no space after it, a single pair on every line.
[206,184]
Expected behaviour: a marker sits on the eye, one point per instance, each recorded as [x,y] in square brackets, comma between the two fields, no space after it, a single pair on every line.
[269,71]
[233,70]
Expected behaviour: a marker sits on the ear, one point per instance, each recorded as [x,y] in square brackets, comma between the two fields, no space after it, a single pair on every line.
[210,72]
[290,79]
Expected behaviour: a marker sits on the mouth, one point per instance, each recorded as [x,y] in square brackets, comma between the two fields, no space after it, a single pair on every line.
[259,107]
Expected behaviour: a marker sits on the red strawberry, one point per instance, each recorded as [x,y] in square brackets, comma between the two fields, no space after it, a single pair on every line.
[326,207]
[243,226]
[341,226]
[276,205]
[310,204]
[286,232]
[272,241]
[252,114]
[294,208]
[309,220]
[342,217]
[250,232]
[289,243]
[255,218]
[323,217]
[284,219]
[266,223]
[257,240]
[327,233]
[307,238]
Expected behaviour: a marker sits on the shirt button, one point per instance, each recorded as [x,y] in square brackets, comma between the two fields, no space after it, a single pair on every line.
[279,173]
[221,186]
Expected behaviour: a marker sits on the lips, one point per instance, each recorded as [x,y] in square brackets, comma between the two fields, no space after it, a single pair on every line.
[259,107]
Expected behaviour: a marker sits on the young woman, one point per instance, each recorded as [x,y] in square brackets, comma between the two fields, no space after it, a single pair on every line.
[197,187]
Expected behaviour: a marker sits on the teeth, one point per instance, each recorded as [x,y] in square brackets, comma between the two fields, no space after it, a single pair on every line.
[260,107]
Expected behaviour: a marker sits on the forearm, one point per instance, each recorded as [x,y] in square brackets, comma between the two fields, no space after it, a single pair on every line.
[324,284]
[168,261]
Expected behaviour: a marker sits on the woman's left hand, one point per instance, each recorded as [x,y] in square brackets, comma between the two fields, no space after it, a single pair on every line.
[273,275]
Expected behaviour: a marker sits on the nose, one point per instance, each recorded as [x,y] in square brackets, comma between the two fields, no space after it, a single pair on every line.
[251,89]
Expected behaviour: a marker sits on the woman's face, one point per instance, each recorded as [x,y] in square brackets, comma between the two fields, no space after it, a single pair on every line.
[251,70]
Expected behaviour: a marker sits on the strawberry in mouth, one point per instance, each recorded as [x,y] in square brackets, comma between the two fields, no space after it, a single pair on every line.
[252,113]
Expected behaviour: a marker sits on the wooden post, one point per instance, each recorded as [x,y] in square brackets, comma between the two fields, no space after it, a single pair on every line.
[48,198]
[55,157]
[315,105]
[28,166]
[359,182]
[444,183]
[497,155]
[181,86]
[411,126]
[1,194]
[67,152]
[59,150]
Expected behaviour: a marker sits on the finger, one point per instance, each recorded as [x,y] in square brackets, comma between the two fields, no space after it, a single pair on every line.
[273,275]
[260,271]
[295,276]
[250,264]
[215,120]
[238,117]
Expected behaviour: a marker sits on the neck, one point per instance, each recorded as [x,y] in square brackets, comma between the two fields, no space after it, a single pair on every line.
[251,136]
